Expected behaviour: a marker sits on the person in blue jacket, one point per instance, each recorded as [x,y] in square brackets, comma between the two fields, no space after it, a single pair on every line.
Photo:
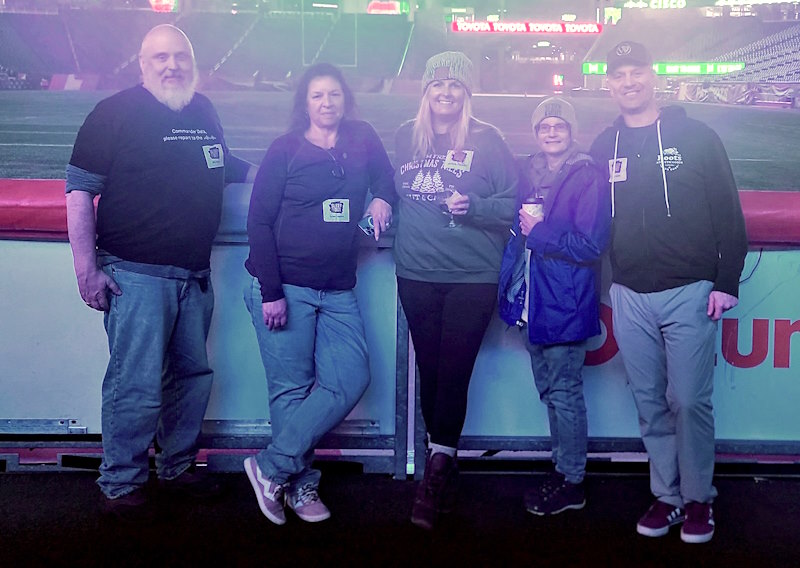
[549,285]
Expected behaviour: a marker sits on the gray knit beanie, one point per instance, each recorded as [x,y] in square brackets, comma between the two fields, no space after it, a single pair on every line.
[448,65]
[557,107]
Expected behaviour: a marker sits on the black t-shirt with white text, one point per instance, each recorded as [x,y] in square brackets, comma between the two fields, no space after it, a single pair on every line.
[165,172]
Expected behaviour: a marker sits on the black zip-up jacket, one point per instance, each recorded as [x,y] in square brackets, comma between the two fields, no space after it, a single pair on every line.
[677,216]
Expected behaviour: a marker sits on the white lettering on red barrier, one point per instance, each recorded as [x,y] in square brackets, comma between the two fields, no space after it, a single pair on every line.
[582,28]
[509,27]
[528,27]
[472,27]
[546,28]
[732,351]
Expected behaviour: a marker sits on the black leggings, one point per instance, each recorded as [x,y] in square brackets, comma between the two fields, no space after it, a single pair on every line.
[447,323]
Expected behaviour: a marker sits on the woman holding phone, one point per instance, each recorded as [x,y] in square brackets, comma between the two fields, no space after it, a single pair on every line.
[308,197]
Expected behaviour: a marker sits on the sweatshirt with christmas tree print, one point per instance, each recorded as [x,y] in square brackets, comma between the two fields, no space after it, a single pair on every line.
[427,248]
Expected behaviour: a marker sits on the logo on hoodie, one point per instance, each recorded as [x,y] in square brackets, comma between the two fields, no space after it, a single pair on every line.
[672,159]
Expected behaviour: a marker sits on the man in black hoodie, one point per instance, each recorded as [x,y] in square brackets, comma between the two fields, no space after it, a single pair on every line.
[678,250]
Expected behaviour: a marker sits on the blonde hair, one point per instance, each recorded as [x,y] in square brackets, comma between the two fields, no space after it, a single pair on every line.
[422,134]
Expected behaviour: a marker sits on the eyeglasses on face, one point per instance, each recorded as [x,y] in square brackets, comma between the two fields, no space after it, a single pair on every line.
[560,128]
[338,169]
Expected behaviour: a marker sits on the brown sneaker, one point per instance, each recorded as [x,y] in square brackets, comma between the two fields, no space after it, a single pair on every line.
[699,525]
[195,483]
[659,518]
[133,508]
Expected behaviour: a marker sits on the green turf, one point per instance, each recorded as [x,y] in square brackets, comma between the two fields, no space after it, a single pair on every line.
[37,129]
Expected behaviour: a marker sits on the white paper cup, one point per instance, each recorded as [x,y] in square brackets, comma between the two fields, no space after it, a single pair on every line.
[534,209]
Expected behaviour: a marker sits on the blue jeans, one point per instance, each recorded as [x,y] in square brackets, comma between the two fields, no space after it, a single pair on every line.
[557,374]
[316,368]
[158,380]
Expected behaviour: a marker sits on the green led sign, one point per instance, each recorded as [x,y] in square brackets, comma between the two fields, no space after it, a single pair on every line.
[594,68]
[677,68]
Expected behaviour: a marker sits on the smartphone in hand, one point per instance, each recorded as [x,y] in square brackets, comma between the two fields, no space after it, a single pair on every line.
[367,225]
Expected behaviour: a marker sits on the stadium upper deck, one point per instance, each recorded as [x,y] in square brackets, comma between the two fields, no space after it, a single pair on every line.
[268,48]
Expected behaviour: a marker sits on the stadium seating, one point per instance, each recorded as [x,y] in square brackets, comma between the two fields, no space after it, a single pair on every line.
[248,48]
[36,43]
[272,49]
[104,40]
[214,35]
[13,84]
[770,50]
[644,29]
[279,45]
[428,36]
[233,46]
[774,58]
[708,38]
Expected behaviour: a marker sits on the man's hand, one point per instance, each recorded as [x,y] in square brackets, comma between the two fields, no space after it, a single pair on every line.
[274,313]
[719,302]
[528,221]
[381,213]
[94,286]
[93,283]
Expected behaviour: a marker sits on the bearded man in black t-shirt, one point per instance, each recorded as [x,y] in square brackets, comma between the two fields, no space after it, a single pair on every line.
[156,156]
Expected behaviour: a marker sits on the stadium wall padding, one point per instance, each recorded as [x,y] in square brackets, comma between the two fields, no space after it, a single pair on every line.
[74,82]
[31,208]
[53,353]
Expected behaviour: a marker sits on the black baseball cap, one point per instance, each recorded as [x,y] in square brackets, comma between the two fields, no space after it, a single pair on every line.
[628,53]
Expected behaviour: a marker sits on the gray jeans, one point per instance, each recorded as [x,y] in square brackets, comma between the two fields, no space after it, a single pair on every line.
[667,345]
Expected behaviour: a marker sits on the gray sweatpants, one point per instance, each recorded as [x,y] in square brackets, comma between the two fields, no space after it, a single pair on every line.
[667,346]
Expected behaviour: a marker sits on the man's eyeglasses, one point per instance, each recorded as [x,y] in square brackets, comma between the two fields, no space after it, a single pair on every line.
[560,128]
[338,169]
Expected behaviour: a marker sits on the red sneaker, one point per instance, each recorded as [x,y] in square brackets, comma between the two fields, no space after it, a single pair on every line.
[699,525]
[659,518]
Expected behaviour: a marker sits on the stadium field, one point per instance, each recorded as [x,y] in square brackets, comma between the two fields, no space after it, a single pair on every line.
[38,128]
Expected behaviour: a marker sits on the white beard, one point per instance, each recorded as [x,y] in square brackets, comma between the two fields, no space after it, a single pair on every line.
[176,98]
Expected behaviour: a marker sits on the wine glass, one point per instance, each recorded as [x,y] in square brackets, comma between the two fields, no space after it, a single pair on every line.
[443,198]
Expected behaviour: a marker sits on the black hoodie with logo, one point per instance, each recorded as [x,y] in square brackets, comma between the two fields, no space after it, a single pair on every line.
[677,216]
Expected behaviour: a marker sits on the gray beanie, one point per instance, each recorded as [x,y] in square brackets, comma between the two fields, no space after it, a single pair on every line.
[557,107]
[448,65]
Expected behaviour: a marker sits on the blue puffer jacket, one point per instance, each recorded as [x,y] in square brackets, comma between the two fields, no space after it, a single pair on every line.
[565,256]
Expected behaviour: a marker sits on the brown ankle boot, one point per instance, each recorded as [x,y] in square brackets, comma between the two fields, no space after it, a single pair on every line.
[436,492]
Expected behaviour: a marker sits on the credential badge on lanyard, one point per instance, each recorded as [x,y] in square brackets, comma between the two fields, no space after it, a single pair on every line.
[459,161]
[336,210]
[618,170]
[215,158]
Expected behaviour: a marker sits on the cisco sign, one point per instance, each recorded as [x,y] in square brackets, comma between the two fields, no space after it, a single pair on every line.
[656,4]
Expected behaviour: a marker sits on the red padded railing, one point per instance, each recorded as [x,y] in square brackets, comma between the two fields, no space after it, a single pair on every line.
[36,209]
